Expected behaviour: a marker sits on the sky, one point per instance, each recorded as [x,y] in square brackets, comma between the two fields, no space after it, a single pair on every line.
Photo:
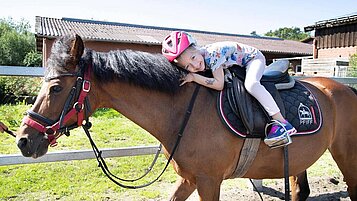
[226,16]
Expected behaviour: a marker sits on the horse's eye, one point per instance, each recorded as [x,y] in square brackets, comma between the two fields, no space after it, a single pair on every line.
[56,89]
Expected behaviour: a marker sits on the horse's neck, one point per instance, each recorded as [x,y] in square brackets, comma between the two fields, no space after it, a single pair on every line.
[154,111]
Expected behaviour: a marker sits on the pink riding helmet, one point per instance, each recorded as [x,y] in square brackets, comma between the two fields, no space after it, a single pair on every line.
[175,43]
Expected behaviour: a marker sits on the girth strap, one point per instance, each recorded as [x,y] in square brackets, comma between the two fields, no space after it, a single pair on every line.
[247,156]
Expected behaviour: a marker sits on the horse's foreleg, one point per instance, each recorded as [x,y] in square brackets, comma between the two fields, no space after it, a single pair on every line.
[299,187]
[208,188]
[184,189]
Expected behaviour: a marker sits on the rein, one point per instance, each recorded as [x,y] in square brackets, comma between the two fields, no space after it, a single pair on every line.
[113,178]
[10,132]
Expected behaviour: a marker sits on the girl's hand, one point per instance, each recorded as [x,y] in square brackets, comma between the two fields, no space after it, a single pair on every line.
[189,78]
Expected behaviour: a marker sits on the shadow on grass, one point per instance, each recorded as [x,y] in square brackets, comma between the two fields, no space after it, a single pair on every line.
[322,197]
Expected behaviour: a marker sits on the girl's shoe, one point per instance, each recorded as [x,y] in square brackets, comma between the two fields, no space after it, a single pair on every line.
[279,134]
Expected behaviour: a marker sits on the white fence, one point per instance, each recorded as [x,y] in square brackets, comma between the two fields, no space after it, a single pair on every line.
[336,67]
[15,159]
[21,71]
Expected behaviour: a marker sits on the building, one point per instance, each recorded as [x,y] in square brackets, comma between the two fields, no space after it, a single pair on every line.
[335,37]
[106,36]
[335,41]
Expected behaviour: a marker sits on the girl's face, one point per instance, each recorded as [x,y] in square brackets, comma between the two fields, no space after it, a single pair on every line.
[192,60]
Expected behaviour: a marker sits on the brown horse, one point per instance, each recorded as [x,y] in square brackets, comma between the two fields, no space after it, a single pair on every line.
[145,88]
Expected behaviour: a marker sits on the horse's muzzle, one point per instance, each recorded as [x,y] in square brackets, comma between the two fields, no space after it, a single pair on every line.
[22,142]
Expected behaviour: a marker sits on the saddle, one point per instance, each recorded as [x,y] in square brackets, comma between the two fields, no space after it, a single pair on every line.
[245,117]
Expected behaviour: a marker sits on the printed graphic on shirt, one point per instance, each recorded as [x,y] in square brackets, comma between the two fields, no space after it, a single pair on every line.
[226,54]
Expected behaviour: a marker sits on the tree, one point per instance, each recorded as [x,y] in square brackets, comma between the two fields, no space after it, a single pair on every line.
[16,42]
[33,58]
[17,48]
[254,33]
[293,33]
[352,69]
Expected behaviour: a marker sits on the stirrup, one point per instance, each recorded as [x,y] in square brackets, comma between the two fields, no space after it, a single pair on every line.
[282,145]
[272,122]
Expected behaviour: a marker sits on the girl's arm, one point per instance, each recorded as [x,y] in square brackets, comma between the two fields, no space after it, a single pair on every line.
[217,82]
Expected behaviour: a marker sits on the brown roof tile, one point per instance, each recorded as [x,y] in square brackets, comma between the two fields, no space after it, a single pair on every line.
[131,33]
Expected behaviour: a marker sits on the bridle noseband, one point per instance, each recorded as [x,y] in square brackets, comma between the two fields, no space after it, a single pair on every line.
[54,129]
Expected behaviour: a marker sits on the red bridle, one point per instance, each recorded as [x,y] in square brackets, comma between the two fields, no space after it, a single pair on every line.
[51,131]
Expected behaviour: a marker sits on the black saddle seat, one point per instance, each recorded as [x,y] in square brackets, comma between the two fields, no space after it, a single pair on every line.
[268,76]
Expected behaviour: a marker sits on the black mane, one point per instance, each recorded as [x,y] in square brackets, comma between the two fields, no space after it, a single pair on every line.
[144,69]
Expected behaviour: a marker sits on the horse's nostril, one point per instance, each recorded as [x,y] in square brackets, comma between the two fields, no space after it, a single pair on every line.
[22,143]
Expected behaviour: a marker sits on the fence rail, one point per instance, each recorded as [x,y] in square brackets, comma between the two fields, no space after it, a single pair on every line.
[15,159]
[21,71]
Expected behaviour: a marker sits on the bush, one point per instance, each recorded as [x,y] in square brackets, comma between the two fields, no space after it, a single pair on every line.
[20,86]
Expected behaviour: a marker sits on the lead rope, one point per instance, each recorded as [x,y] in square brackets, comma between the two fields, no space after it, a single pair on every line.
[286,173]
[256,189]
[286,177]
[10,132]
[103,165]
[88,125]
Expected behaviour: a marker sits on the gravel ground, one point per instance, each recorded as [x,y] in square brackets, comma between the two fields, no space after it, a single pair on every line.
[322,189]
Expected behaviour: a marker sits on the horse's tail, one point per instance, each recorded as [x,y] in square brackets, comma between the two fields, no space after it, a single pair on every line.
[353,89]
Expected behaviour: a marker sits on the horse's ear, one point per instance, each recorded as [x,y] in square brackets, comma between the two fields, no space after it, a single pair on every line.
[77,48]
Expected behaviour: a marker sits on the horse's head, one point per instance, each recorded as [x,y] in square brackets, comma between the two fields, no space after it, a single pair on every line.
[60,104]
[63,102]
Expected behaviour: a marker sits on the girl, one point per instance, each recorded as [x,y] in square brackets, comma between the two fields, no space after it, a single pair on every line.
[180,47]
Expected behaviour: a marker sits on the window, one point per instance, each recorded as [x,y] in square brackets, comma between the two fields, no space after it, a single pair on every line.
[298,69]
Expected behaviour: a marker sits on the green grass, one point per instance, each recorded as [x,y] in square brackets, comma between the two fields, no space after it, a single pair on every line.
[83,180]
